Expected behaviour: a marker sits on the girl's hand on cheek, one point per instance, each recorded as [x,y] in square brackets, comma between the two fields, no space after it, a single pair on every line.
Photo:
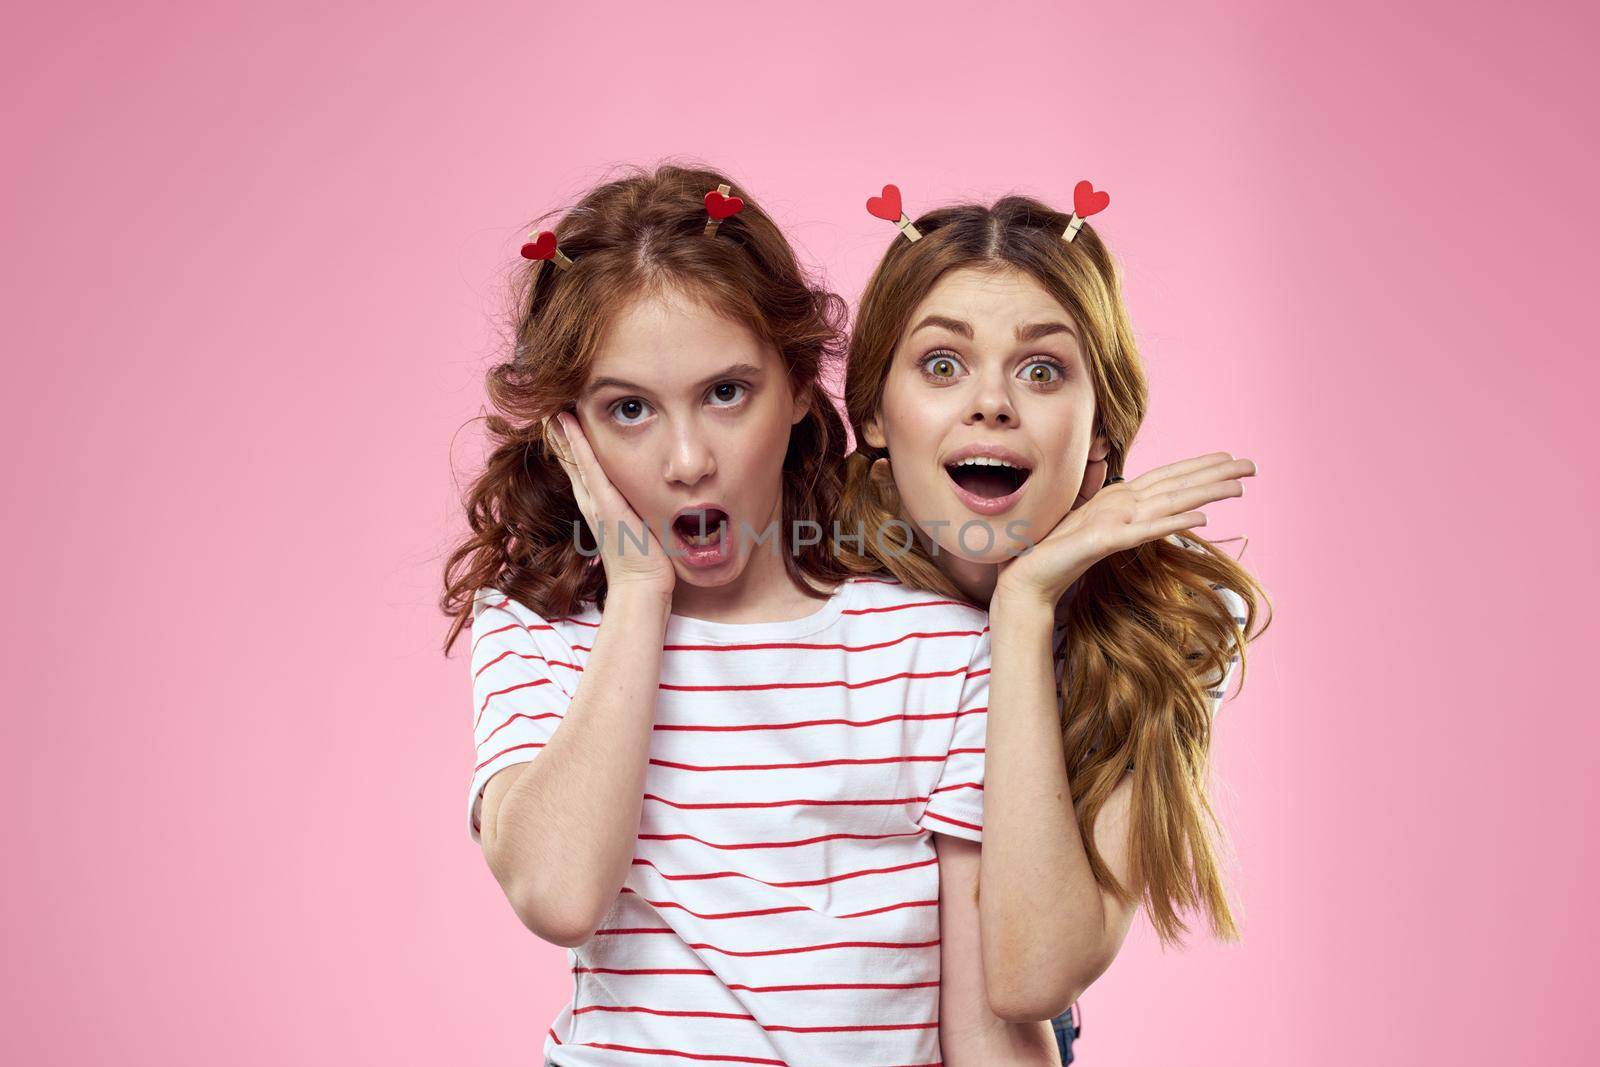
[1118,517]
[608,513]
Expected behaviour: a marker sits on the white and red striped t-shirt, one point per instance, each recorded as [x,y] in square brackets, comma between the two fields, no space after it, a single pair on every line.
[782,907]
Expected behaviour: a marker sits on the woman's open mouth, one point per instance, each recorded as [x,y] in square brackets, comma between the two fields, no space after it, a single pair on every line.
[702,536]
[988,485]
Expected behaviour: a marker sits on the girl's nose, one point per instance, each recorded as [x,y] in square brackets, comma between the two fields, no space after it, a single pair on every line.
[690,460]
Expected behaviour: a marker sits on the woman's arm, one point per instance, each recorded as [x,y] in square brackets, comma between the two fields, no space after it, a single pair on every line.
[559,832]
[970,1034]
[1049,930]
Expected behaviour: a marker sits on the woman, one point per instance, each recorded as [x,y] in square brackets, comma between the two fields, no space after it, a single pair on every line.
[994,389]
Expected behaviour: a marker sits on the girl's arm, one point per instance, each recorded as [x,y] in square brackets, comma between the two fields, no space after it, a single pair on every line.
[1048,929]
[970,1034]
[559,832]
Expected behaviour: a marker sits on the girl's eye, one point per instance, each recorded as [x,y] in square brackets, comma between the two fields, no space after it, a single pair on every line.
[942,365]
[1043,372]
[726,394]
[630,411]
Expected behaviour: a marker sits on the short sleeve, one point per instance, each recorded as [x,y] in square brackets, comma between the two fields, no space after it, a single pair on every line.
[518,698]
[956,805]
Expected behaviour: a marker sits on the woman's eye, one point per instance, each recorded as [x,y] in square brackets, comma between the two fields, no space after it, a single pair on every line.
[630,411]
[1042,372]
[938,365]
[726,394]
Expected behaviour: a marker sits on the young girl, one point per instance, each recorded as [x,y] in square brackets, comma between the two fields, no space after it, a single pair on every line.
[710,763]
[995,390]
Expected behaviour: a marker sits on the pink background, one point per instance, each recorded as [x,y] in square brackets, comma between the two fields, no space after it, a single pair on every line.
[254,270]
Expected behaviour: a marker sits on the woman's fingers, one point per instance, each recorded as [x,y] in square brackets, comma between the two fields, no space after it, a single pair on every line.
[1173,501]
[1183,466]
[1212,472]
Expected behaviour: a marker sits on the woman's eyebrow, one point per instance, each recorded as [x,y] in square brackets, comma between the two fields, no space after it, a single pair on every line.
[1044,329]
[946,323]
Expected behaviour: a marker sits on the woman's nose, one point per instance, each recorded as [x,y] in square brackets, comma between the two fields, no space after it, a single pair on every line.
[992,405]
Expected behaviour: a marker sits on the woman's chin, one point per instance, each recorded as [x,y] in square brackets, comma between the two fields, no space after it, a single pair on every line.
[982,542]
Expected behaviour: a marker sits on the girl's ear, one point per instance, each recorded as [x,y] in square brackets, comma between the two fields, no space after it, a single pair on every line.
[802,408]
[872,433]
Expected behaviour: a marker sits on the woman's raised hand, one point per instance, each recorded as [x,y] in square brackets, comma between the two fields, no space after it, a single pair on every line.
[1120,516]
[609,513]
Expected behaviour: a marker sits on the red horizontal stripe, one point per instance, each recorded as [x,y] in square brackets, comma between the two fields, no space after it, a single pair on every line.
[890,907]
[802,724]
[704,1056]
[645,970]
[828,722]
[516,623]
[801,766]
[775,911]
[751,1018]
[766,686]
[514,718]
[706,971]
[823,646]
[851,1029]
[553,1036]
[772,951]
[761,687]
[760,766]
[502,692]
[779,803]
[714,915]
[490,633]
[833,985]
[502,752]
[527,656]
[662,1011]
[503,605]
[785,885]
[776,844]
[959,785]
[953,822]
[904,607]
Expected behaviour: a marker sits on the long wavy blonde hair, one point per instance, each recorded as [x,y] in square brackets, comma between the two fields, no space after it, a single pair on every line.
[1148,637]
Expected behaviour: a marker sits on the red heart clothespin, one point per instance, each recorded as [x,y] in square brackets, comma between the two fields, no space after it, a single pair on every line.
[543,246]
[719,206]
[1086,201]
[887,208]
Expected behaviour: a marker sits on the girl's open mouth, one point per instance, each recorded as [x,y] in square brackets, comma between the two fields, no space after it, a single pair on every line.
[702,536]
[986,484]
